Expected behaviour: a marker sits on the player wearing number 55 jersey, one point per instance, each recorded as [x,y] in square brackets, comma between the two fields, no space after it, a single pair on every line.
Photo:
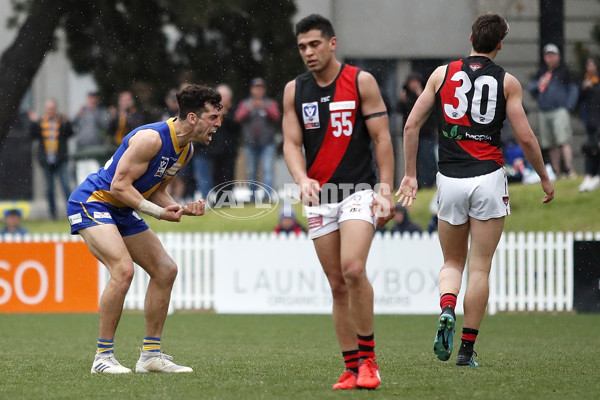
[334,112]
[472,97]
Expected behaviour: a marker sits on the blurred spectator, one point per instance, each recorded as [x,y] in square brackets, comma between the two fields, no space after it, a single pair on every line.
[258,116]
[288,222]
[124,118]
[171,106]
[556,94]
[90,126]
[402,222]
[590,113]
[427,151]
[518,169]
[53,130]
[215,164]
[12,223]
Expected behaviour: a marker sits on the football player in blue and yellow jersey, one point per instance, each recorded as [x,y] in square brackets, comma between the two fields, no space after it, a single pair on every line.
[104,211]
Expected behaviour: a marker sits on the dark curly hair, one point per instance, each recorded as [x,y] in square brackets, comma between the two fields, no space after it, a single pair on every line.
[193,99]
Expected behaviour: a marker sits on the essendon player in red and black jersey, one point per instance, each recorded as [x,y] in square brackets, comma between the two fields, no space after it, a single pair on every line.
[472,98]
[471,111]
[335,135]
[331,116]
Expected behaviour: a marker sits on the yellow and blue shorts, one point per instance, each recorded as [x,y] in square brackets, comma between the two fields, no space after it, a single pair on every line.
[85,214]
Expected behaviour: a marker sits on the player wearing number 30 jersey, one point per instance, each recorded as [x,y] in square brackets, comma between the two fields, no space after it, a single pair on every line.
[472,97]
[470,113]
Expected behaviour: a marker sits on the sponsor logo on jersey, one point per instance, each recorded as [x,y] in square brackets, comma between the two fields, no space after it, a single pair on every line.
[453,134]
[342,105]
[75,219]
[475,66]
[135,215]
[310,114]
[102,215]
[164,161]
[171,172]
[479,138]
[325,99]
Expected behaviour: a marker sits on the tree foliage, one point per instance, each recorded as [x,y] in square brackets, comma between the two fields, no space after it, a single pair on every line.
[150,46]
[21,60]
[153,45]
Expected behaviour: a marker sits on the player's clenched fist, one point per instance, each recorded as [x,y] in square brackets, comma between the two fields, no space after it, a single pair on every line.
[194,208]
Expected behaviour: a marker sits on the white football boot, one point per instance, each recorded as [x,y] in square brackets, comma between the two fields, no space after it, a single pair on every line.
[158,362]
[108,364]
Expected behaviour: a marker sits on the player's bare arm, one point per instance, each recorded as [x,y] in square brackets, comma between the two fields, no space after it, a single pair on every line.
[421,111]
[143,146]
[292,149]
[523,133]
[377,121]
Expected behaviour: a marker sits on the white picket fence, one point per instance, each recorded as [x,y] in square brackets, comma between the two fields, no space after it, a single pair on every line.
[530,272]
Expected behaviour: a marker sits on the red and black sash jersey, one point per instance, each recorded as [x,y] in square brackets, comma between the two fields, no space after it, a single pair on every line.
[471,109]
[336,141]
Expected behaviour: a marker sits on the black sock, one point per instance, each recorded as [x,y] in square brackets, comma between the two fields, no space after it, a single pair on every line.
[468,338]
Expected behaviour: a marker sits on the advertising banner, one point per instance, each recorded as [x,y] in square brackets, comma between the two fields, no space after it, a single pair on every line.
[48,277]
[280,274]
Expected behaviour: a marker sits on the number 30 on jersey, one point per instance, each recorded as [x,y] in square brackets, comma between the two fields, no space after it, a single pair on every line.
[483,102]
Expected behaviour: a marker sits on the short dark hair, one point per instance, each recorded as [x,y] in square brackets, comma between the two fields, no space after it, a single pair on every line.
[315,21]
[488,30]
[193,99]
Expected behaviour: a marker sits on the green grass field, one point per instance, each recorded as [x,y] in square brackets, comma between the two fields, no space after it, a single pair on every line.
[521,356]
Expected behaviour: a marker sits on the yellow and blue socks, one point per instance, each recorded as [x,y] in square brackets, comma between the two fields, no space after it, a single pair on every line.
[151,344]
[106,346]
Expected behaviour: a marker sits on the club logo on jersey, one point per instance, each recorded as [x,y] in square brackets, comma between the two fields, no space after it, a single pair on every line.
[310,114]
[453,133]
[505,200]
[164,161]
[475,66]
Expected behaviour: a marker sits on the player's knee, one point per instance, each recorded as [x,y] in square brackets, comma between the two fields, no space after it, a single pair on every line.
[123,276]
[168,272]
[353,270]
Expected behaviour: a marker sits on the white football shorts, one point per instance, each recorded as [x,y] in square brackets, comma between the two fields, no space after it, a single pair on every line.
[326,218]
[481,197]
